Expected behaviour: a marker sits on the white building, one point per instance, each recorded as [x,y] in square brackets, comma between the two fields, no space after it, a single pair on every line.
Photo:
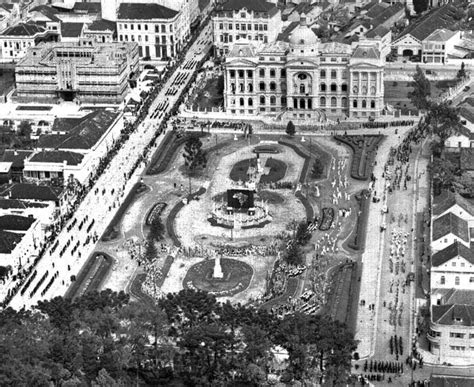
[160,32]
[9,15]
[437,46]
[245,20]
[448,229]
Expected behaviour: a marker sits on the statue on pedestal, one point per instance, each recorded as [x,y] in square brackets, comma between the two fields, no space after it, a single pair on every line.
[217,274]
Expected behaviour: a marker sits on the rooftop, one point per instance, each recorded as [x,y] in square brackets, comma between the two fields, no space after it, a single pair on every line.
[47,11]
[102,25]
[5,166]
[71,30]
[24,29]
[27,191]
[57,156]
[386,14]
[467,159]
[366,52]
[379,31]
[16,157]
[8,241]
[452,251]
[251,5]
[15,222]
[8,204]
[440,35]
[81,133]
[447,199]
[453,314]
[450,224]
[454,296]
[441,17]
[144,11]
[92,8]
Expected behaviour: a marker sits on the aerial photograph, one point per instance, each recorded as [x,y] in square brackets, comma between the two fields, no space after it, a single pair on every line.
[237,193]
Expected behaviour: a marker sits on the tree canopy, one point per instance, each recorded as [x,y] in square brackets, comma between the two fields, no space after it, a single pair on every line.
[103,339]
[421,90]
[290,128]
[194,156]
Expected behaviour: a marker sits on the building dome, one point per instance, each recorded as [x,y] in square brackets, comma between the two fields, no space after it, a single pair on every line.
[303,35]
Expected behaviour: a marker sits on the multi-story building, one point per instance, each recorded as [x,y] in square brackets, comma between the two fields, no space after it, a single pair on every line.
[9,15]
[16,40]
[86,71]
[247,20]
[304,78]
[160,32]
[437,45]
[451,336]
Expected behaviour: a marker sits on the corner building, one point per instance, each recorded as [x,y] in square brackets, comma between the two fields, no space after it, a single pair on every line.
[304,79]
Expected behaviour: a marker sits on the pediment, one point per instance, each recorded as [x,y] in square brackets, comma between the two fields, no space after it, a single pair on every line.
[364,65]
[241,62]
[407,36]
[300,62]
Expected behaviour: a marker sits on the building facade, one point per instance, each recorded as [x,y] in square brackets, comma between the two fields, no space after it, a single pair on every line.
[86,71]
[245,20]
[304,79]
[159,32]
[436,46]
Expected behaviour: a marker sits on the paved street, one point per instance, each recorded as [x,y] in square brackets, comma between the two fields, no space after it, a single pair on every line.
[107,195]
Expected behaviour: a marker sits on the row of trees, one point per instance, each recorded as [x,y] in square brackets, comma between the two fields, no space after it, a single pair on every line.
[103,339]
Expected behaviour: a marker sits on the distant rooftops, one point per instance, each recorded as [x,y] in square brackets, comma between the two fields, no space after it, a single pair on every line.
[82,133]
[450,224]
[57,156]
[454,250]
[441,35]
[102,25]
[16,222]
[8,241]
[448,199]
[24,29]
[454,314]
[144,11]
[24,191]
[379,31]
[71,30]
[251,5]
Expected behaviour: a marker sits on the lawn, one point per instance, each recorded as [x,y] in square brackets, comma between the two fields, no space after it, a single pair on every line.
[211,95]
[277,171]
[240,169]
[6,81]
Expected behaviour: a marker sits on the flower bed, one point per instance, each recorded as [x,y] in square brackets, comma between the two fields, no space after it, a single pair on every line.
[239,171]
[327,219]
[357,240]
[266,149]
[165,270]
[277,171]
[155,212]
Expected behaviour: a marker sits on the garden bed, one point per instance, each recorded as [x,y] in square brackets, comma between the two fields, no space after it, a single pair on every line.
[357,239]
[155,212]
[327,218]
[137,292]
[307,205]
[363,153]
[98,271]
[165,270]
[276,173]
[239,171]
[266,149]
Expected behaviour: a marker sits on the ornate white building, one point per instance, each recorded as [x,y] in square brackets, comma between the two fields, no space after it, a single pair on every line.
[304,79]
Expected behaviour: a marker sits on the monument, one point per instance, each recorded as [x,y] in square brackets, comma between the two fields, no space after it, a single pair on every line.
[217,274]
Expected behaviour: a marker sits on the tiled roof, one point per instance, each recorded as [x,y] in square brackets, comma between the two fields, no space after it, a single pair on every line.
[102,25]
[56,156]
[8,241]
[379,31]
[467,113]
[251,5]
[440,35]
[447,199]
[7,204]
[450,223]
[203,4]
[438,18]
[388,13]
[467,159]
[33,192]
[454,314]
[87,7]
[71,30]
[142,11]
[15,222]
[285,35]
[454,296]
[17,157]
[375,9]
[366,52]
[454,250]
[47,11]
[23,29]
[82,133]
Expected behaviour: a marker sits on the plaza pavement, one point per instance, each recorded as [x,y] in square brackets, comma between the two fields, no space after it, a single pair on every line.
[104,199]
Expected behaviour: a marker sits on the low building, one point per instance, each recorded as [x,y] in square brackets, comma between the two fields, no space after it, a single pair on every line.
[463,138]
[448,229]
[437,45]
[17,159]
[101,31]
[245,20]
[74,149]
[5,171]
[87,71]
[16,40]
[159,32]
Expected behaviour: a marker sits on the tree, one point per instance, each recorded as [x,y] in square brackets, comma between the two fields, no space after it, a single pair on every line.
[24,130]
[443,120]
[294,255]
[420,6]
[421,90]
[290,129]
[318,169]
[151,252]
[462,72]
[157,229]
[194,156]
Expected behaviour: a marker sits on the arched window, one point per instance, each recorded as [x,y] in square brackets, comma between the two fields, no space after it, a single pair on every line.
[283,73]
[250,102]
[322,102]
[354,103]
[333,74]
[241,102]
[272,100]
[310,103]
[250,87]
[344,102]
[232,88]
[343,87]
[372,90]
[364,104]
[322,87]
[372,104]
[333,102]
[273,86]
[262,73]
[302,104]
[272,73]
[302,89]
[333,87]
[283,101]
[283,87]
[322,74]
[262,100]
[262,86]
[456,280]
[443,280]
[241,87]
